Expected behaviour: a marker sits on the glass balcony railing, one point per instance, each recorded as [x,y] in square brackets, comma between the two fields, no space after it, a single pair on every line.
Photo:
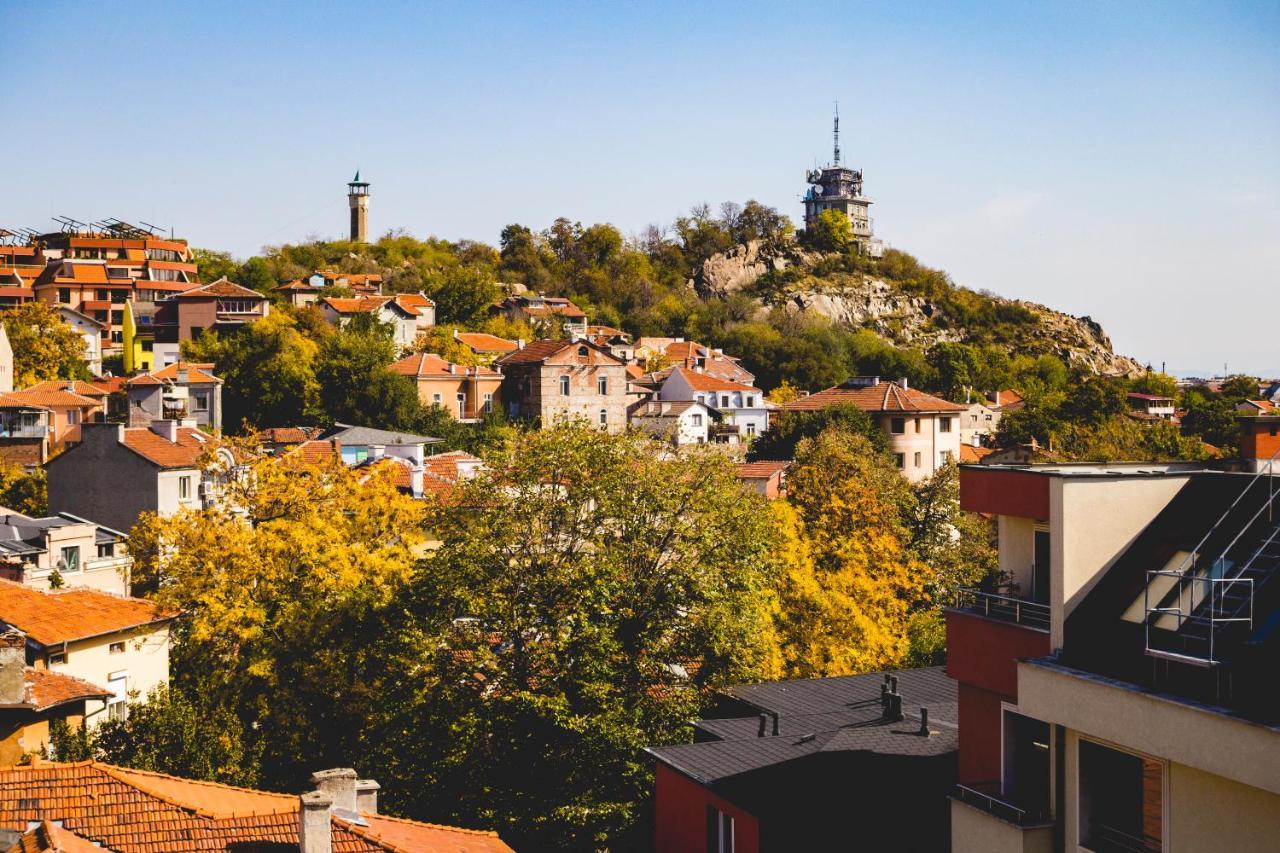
[1004,607]
[23,431]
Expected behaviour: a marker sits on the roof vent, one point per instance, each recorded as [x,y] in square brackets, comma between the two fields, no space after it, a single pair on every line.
[862,382]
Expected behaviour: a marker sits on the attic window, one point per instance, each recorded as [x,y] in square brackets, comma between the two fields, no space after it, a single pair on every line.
[584,352]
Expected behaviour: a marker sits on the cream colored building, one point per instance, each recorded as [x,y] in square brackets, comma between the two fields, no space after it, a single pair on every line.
[80,552]
[113,641]
[1120,692]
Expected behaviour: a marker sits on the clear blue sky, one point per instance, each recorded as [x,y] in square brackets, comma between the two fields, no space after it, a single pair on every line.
[1120,160]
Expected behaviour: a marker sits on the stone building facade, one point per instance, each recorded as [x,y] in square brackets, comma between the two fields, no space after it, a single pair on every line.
[552,381]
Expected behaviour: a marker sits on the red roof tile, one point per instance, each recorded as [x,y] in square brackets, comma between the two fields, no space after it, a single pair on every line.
[53,398]
[47,689]
[183,453]
[702,382]
[48,837]
[221,287]
[75,386]
[481,342]
[760,470]
[55,616]
[428,364]
[881,397]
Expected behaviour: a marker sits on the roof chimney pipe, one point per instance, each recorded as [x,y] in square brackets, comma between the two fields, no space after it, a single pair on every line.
[764,723]
[775,723]
[903,383]
[924,721]
[315,829]
[13,657]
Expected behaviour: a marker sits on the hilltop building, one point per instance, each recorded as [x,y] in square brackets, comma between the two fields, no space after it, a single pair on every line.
[837,187]
[358,201]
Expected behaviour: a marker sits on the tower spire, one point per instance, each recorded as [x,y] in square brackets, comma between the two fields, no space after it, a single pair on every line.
[837,133]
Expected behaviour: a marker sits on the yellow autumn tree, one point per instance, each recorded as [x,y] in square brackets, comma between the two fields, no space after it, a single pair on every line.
[281,588]
[848,583]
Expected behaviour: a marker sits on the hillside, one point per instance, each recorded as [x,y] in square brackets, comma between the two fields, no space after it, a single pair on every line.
[908,305]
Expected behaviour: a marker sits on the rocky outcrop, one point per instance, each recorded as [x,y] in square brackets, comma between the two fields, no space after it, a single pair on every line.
[862,301]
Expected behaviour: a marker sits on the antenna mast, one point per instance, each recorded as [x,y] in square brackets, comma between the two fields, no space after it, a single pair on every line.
[837,133]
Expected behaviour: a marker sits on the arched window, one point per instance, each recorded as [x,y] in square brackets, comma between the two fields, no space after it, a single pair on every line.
[604,417]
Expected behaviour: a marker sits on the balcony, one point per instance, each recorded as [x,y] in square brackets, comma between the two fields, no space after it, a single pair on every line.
[23,430]
[986,821]
[1006,608]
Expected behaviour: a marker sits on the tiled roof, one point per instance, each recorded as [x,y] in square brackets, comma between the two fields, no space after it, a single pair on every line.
[52,398]
[48,837]
[135,811]
[1007,398]
[288,435]
[534,352]
[702,382]
[665,408]
[970,455]
[880,397]
[196,372]
[183,453]
[364,305]
[481,342]
[298,284]
[1266,407]
[760,470]
[635,371]
[358,435]
[314,450]
[110,384]
[401,470]
[47,689]
[414,300]
[55,616]
[221,287]
[75,386]
[428,364]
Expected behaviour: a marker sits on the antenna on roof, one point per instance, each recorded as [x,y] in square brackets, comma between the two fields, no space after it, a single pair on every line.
[837,133]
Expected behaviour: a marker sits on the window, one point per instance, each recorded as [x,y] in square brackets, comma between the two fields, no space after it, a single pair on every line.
[564,386]
[897,426]
[944,457]
[184,488]
[1121,799]
[987,417]
[719,831]
[602,386]
[117,318]
[104,295]
[462,406]
[604,417]
[724,401]
[917,459]
[751,429]
[751,402]
[64,295]
[488,403]
[70,561]
[584,352]
[944,424]
[436,398]
[117,704]
[106,549]
[917,424]
[73,417]
[900,460]
[55,658]
[148,345]
[697,420]
[235,306]
[116,648]
[117,336]
[201,399]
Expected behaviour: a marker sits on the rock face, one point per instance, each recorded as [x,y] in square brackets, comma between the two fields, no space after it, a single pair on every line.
[860,301]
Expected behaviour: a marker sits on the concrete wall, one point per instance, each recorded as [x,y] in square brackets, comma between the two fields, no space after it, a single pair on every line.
[1208,812]
[975,831]
[1093,520]
[102,480]
[145,662]
[923,435]
[1017,550]
[473,387]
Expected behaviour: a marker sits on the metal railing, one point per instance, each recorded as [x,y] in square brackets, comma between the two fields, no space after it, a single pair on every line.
[1105,838]
[23,431]
[1221,589]
[1004,607]
[995,805]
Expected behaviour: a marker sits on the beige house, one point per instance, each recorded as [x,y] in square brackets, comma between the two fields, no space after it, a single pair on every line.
[467,393]
[31,699]
[6,362]
[119,643]
[81,552]
[924,431]
[563,380]
[1119,691]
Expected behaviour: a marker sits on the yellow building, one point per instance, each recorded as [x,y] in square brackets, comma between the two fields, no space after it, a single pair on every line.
[139,343]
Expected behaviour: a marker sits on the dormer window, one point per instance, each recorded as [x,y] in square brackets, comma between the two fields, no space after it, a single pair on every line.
[584,351]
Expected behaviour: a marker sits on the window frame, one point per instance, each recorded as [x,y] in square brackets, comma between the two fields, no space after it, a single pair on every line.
[897,426]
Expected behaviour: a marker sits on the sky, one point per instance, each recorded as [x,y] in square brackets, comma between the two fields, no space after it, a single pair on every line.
[1115,160]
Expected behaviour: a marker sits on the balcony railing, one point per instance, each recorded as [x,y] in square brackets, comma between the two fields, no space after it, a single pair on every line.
[23,431]
[1033,614]
[996,805]
[1108,839]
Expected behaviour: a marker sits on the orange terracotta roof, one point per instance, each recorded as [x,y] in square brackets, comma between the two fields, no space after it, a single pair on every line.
[635,371]
[48,837]
[401,470]
[534,352]
[481,342]
[221,287]
[1265,407]
[362,305]
[760,470]
[183,453]
[55,616]
[298,284]
[110,384]
[47,689]
[882,397]
[428,364]
[287,435]
[53,398]
[414,300]
[1007,397]
[196,373]
[315,450]
[970,455]
[8,401]
[135,811]
[702,382]
[75,386]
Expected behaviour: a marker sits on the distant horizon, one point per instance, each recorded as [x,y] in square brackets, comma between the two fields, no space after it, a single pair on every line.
[1121,163]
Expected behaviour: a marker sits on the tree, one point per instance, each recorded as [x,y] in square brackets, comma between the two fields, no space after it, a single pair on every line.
[213,265]
[849,585]
[957,546]
[268,372]
[43,346]
[1095,400]
[24,491]
[168,733]
[792,427]
[356,386]
[281,588]
[1239,387]
[1212,419]
[463,295]
[1156,383]
[576,611]
[831,232]
[441,341]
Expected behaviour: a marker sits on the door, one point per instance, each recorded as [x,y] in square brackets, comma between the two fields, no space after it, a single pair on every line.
[1040,572]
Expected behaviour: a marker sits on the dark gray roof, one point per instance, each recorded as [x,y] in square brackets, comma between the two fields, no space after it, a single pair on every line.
[357,435]
[820,715]
[24,536]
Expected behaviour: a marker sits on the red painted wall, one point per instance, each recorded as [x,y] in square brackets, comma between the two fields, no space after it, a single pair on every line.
[1004,492]
[681,804]
[979,718]
[1259,439]
[983,652]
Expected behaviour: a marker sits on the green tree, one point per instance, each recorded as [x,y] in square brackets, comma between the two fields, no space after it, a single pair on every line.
[1212,419]
[213,265]
[577,611]
[24,491]
[356,386]
[1095,400]
[43,346]
[267,370]
[792,427]
[831,232]
[1239,387]
[463,295]
[168,733]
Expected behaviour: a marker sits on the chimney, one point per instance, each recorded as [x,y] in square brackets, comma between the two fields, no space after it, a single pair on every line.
[903,383]
[13,657]
[924,721]
[166,429]
[455,333]
[315,829]
[520,343]
[339,785]
[764,724]
[184,376]
[774,714]
[367,796]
